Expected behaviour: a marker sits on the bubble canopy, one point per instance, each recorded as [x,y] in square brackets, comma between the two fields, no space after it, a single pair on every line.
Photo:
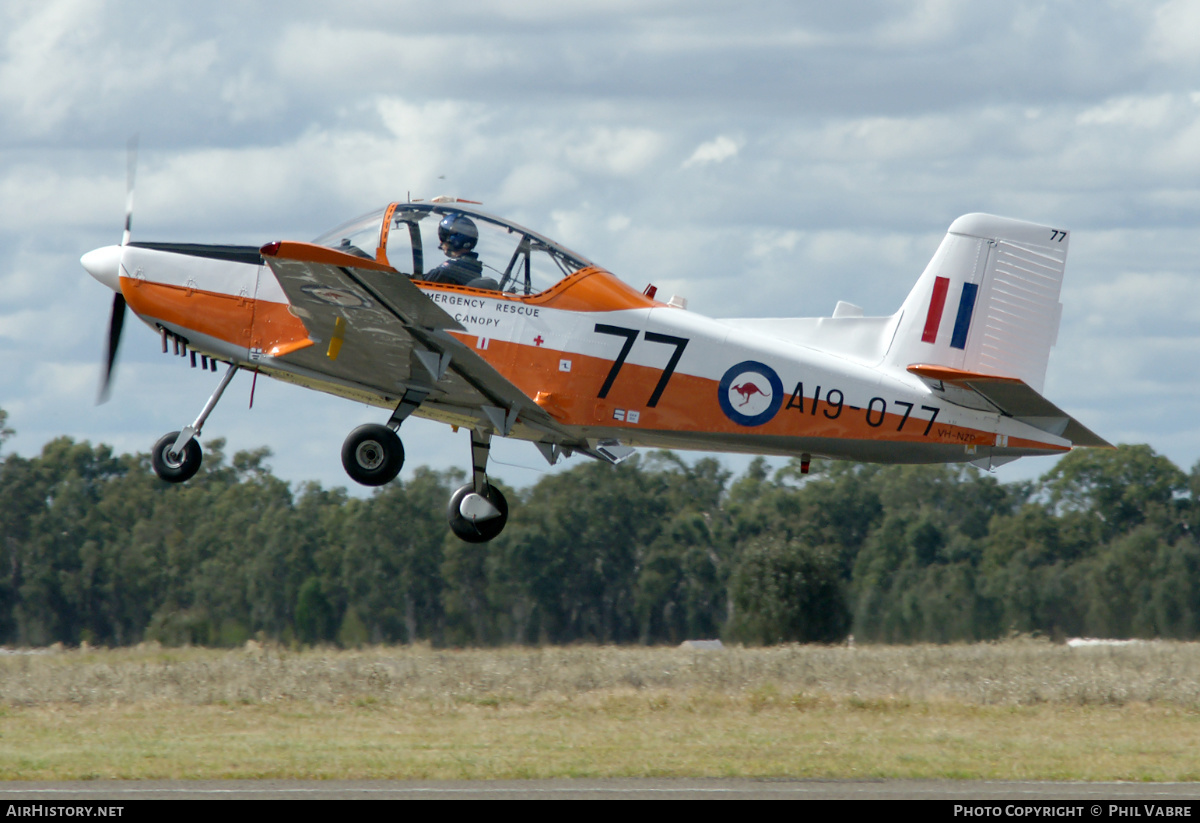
[404,236]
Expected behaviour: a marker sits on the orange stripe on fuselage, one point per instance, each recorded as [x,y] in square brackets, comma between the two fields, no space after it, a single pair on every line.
[224,316]
[690,403]
[275,327]
[238,320]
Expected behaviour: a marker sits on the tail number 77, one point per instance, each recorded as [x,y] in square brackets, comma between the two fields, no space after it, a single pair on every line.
[630,335]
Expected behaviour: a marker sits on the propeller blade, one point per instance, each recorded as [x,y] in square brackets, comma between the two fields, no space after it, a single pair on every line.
[116,320]
[115,323]
[130,170]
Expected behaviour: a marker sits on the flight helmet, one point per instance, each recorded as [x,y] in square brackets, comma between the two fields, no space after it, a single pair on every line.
[458,232]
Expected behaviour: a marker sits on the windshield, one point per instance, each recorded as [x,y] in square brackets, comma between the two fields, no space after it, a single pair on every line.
[356,237]
[454,244]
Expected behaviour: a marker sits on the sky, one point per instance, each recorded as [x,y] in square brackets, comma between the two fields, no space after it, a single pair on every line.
[760,160]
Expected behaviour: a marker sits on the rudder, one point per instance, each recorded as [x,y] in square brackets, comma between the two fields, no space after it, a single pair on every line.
[988,300]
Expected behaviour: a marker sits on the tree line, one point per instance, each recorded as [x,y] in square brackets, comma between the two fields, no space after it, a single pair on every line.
[93,547]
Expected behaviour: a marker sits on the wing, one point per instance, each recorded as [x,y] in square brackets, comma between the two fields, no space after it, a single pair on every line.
[1008,395]
[368,326]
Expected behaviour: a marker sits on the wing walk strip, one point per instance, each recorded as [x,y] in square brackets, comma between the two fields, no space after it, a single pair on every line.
[425,338]
[504,416]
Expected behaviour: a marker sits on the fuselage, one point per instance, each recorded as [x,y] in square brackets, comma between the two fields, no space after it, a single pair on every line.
[602,359]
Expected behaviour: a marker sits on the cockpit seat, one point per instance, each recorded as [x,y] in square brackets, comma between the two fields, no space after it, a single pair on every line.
[484,283]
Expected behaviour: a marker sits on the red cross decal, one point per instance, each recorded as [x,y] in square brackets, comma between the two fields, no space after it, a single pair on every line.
[538,340]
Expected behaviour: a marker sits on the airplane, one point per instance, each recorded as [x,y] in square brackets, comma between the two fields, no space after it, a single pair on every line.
[441,310]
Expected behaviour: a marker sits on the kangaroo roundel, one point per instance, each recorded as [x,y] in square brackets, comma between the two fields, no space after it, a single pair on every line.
[750,393]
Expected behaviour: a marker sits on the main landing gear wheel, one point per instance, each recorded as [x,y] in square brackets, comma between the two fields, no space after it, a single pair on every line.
[372,455]
[477,518]
[173,467]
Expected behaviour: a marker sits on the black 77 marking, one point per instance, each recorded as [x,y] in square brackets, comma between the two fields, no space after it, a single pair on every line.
[630,335]
[680,343]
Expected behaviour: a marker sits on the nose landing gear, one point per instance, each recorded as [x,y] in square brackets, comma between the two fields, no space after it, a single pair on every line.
[175,466]
[177,456]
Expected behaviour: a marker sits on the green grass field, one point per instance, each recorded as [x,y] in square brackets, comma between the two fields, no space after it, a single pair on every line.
[1017,710]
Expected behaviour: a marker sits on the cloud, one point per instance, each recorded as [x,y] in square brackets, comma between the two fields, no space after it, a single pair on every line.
[1141,112]
[41,73]
[1172,33]
[616,151]
[531,182]
[717,150]
[70,67]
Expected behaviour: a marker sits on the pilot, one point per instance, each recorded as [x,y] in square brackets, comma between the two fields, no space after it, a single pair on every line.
[458,237]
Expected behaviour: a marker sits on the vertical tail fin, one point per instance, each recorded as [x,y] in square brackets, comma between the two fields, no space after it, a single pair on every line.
[988,300]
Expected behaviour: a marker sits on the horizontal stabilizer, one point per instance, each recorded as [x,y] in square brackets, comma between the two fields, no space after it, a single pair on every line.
[1010,396]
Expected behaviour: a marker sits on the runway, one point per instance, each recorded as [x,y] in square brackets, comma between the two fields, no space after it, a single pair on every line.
[972,791]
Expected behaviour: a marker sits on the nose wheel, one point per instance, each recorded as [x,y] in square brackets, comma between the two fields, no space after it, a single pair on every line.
[176,456]
[175,466]
[373,455]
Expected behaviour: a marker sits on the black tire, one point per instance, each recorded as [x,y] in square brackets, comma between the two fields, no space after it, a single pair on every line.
[372,455]
[175,468]
[476,532]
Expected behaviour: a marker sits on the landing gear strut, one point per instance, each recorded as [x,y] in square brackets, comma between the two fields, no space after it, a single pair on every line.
[478,511]
[176,456]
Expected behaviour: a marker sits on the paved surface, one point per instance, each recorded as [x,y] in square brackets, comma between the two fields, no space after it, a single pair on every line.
[623,789]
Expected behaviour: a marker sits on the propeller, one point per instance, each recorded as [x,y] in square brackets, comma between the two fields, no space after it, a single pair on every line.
[116,320]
